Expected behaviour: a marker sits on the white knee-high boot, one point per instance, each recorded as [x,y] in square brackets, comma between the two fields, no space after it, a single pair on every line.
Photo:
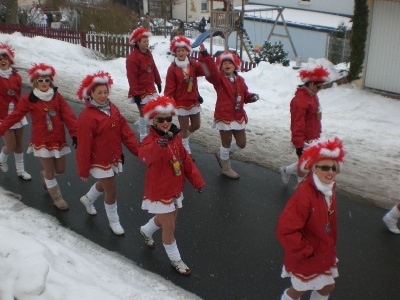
[89,199]
[19,165]
[142,128]
[113,218]
[391,219]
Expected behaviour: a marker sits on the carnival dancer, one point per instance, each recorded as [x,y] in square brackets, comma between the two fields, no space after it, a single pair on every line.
[307,226]
[305,115]
[49,113]
[230,118]
[142,75]
[10,90]
[168,164]
[101,131]
[181,85]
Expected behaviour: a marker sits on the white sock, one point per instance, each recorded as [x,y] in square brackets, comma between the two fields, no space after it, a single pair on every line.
[50,182]
[291,169]
[224,153]
[234,148]
[142,126]
[3,156]
[93,193]
[150,227]
[19,157]
[172,251]
[185,143]
[394,213]
[317,296]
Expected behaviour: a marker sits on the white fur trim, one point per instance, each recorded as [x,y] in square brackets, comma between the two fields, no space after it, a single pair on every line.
[160,109]
[330,153]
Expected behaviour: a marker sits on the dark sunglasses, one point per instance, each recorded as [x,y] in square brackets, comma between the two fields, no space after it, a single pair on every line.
[319,86]
[162,120]
[4,58]
[43,80]
[327,168]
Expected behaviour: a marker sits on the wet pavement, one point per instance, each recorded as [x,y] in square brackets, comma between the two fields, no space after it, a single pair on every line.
[226,235]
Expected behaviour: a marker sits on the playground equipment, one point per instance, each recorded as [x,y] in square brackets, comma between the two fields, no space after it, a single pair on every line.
[229,20]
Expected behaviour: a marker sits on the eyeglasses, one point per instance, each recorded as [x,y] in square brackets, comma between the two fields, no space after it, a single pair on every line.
[327,168]
[43,80]
[162,120]
[4,58]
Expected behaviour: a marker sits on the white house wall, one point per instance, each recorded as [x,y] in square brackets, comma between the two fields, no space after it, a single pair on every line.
[342,7]
[383,58]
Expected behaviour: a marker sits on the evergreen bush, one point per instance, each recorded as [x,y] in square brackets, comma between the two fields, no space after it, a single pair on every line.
[273,54]
[358,39]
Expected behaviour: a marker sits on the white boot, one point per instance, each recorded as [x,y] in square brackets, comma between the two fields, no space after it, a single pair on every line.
[113,218]
[285,176]
[142,128]
[19,165]
[391,219]
[3,161]
[58,200]
[227,170]
[90,198]
[285,296]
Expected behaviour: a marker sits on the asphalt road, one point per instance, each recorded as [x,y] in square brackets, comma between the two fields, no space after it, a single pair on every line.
[226,234]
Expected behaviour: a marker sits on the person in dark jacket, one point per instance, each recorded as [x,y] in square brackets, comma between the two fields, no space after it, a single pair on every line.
[305,115]
[307,226]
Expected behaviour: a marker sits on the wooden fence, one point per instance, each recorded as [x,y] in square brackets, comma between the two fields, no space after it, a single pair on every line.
[107,44]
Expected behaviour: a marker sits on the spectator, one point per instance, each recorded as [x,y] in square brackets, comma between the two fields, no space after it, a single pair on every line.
[202,24]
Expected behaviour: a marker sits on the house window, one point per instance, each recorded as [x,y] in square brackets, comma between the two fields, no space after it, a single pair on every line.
[305,2]
[204,5]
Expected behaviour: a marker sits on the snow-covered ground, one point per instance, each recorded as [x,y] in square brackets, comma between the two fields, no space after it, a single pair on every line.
[367,123]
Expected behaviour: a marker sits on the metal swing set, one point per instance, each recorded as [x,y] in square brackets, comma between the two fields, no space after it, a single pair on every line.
[229,20]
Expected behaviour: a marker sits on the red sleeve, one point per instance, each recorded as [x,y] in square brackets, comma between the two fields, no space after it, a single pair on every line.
[190,169]
[132,73]
[128,137]
[198,68]
[18,113]
[298,122]
[86,129]
[150,151]
[170,82]
[157,77]
[210,69]
[290,225]
[68,117]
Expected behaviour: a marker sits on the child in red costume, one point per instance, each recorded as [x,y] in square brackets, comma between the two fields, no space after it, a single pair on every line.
[307,227]
[168,164]
[232,93]
[101,131]
[181,85]
[142,74]
[10,90]
[305,115]
[49,113]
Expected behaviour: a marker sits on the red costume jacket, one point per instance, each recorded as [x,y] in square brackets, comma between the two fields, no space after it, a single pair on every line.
[161,181]
[10,90]
[176,85]
[302,230]
[141,81]
[100,137]
[38,110]
[305,121]
[226,93]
